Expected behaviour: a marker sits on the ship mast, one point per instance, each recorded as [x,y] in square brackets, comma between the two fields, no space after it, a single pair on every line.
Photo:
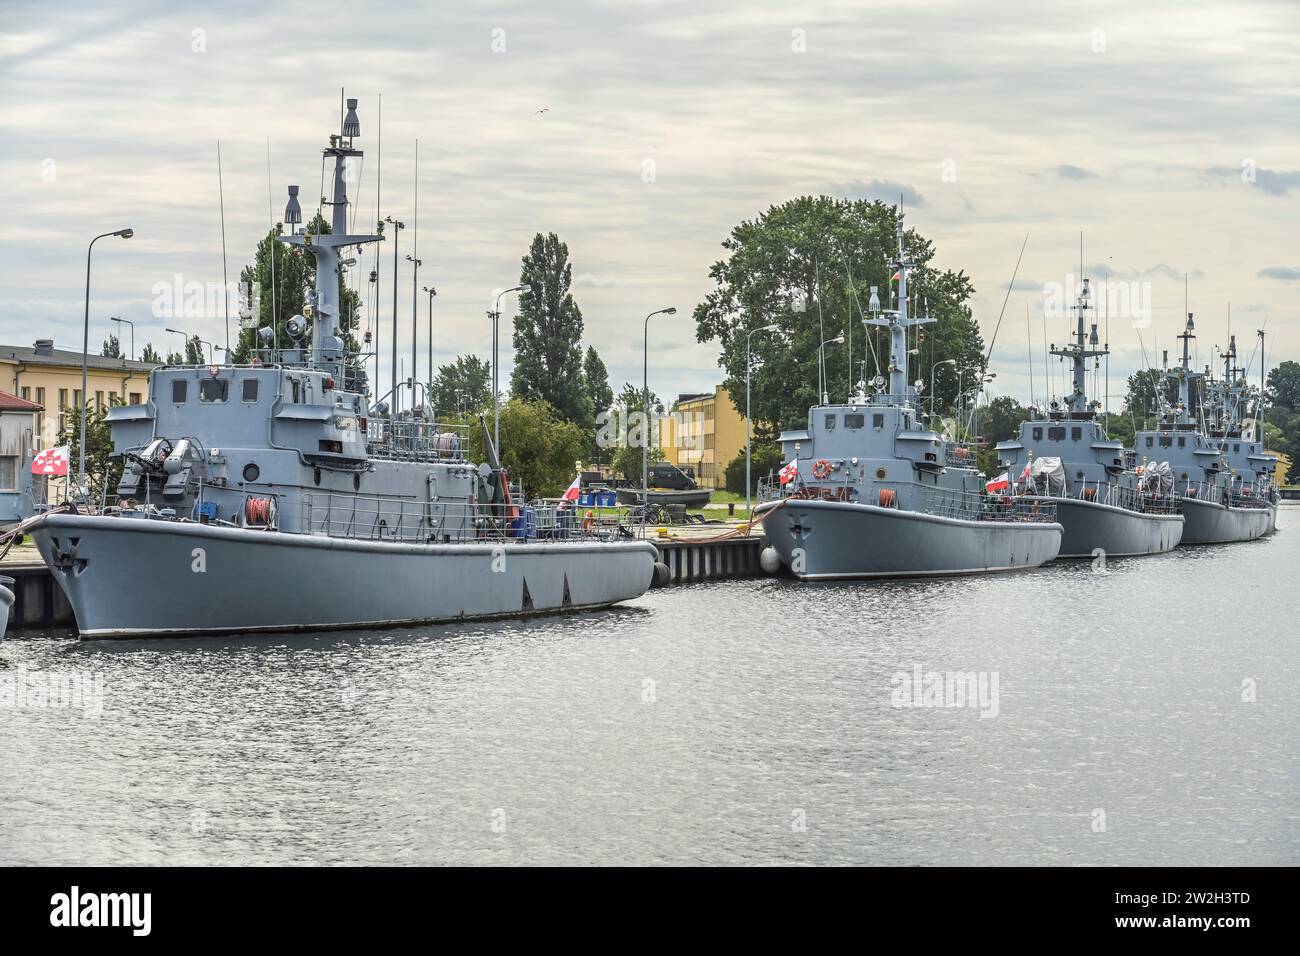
[901,391]
[1079,351]
[327,348]
[1184,374]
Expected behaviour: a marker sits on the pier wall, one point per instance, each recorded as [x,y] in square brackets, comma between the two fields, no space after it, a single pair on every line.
[731,558]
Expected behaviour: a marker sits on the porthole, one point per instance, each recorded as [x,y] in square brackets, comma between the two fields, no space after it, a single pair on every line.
[356,482]
[252,472]
[880,473]
[315,476]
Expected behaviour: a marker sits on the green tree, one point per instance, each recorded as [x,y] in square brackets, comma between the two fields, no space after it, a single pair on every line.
[103,470]
[628,429]
[537,448]
[112,348]
[463,386]
[767,459]
[175,358]
[548,334]
[1284,386]
[791,266]
[1001,418]
[195,354]
[150,354]
[595,379]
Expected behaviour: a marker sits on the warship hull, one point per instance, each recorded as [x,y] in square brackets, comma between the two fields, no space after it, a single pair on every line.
[6,603]
[1209,522]
[1119,532]
[128,578]
[822,540]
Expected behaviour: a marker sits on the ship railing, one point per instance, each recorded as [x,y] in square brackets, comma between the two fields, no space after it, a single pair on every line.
[384,518]
[416,439]
[975,506]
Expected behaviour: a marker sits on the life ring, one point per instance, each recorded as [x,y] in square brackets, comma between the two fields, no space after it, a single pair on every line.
[821,469]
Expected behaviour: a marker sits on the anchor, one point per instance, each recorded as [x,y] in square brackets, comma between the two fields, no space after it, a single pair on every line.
[67,560]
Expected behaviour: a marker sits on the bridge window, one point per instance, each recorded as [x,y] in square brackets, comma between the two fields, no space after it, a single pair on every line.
[877,421]
[1236,446]
[1182,441]
[829,424]
[1056,433]
[250,390]
[855,421]
[213,389]
[1076,433]
[1166,441]
[178,389]
[1038,434]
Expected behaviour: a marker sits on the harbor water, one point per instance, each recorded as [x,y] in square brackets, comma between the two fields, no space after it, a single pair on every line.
[1144,713]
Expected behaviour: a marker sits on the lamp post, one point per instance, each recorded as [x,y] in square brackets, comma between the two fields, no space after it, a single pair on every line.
[119,320]
[397,231]
[496,390]
[85,351]
[186,336]
[821,352]
[645,409]
[432,292]
[749,368]
[932,368]
[415,319]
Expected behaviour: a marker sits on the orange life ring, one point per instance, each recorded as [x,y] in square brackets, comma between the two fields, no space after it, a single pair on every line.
[821,469]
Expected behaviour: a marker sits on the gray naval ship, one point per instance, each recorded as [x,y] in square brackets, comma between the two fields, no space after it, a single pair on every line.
[1068,458]
[1218,503]
[269,496]
[871,491]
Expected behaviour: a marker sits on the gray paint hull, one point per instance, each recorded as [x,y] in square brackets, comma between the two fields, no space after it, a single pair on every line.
[1212,523]
[1118,532]
[844,540]
[136,578]
[6,602]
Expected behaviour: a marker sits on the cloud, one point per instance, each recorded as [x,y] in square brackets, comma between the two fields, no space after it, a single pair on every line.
[592,281]
[1273,182]
[1284,273]
[1066,171]
[882,190]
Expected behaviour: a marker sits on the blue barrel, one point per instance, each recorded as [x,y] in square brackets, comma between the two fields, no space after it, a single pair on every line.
[606,499]
[525,526]
[585,499]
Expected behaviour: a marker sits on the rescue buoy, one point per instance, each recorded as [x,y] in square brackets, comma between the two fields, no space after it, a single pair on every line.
[821,468]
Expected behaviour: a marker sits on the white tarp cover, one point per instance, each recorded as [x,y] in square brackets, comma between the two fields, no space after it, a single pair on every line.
[1047,476]
[1157,477]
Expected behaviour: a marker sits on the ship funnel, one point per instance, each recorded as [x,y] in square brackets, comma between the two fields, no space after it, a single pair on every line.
[293,211]
[351,125]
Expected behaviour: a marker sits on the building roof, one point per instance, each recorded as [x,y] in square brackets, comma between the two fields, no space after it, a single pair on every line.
[12,403]
[42,354]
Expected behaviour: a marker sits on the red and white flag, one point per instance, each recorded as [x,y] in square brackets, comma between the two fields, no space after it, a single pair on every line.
[571,493]
[1000,483]
[789,472]
[51,461]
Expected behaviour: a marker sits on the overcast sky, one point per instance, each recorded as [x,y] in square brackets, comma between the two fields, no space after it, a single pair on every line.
[1165,132]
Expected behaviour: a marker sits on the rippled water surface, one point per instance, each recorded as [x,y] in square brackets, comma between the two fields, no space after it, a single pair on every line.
[746,722]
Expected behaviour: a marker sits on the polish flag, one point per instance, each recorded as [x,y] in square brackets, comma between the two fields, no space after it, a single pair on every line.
[789,472]
[1000,483]
[571,493]
[51,461]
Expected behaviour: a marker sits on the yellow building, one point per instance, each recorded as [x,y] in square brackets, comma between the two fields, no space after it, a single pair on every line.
[706,432]
[51,378]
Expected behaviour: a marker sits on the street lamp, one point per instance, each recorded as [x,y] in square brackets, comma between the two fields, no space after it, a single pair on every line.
[186,336]
[645,409]
[821,352]
[432,292]
[932,368]
[85,351]
[398,226]
[119,320]
[415,320]
[749,367]
[495,315]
